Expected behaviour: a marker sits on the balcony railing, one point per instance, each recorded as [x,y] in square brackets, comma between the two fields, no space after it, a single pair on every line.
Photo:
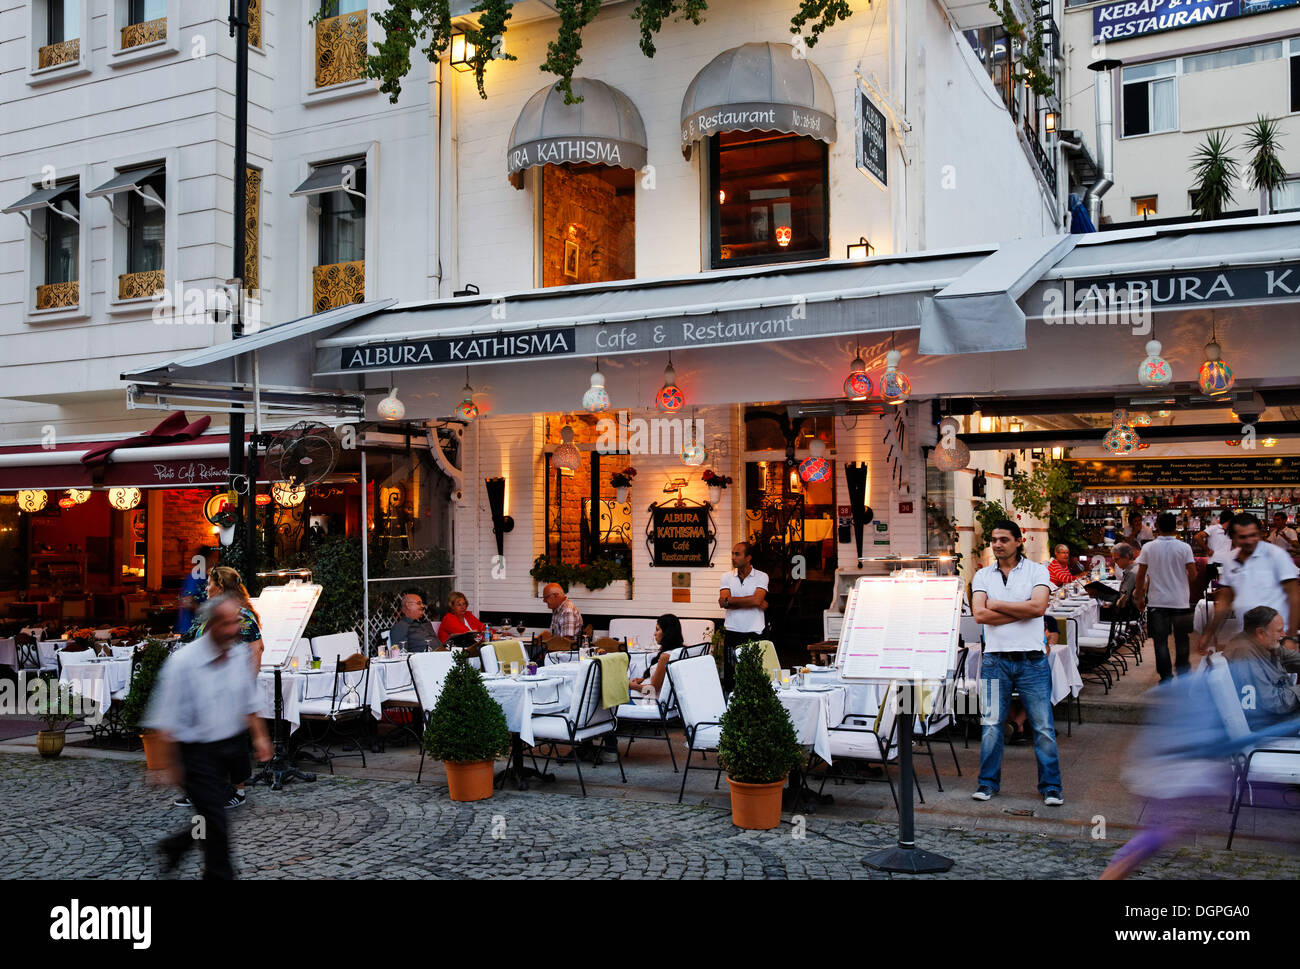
[140,285]
[55,295]
[340,48]
[1041,158]
[338,284]
[65,52]
[133,35]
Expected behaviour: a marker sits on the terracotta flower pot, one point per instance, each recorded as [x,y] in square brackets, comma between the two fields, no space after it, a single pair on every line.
[153,752]
[49,743]
[756,807]
[469,781]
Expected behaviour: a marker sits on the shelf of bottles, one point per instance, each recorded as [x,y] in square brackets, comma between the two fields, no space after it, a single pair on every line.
[1105,514]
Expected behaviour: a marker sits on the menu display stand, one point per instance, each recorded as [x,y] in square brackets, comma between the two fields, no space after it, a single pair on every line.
[284,611]
[901,631]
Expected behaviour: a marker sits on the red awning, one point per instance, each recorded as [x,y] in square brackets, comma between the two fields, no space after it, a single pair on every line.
[174,429]
[199,463]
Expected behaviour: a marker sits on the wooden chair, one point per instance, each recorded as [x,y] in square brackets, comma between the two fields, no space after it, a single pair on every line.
[559,644]
[611,645]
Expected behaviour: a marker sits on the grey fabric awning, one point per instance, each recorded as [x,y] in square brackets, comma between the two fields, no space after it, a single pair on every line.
[39,198]
[125,181]
[758,87]
[331,177]
[978,313]
[604,128]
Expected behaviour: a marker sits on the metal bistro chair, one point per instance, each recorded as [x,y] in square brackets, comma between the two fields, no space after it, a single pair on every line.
[399,695]
[937,717]
[347,702]
[636,720]
[698,689]
[864,742]
[25,650]
[585,720]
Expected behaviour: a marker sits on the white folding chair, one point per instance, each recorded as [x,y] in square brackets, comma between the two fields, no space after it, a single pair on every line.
[867,740]
[428,673]
[346,701]
[634,718]
[47,655]
[698,689]
[330,649]
[1275,761]
[123,652]
[585,720]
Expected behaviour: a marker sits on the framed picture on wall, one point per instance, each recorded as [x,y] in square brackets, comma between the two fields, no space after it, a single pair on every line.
[571,259]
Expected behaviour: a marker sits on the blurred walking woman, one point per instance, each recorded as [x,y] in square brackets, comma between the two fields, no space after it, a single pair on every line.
[225,581]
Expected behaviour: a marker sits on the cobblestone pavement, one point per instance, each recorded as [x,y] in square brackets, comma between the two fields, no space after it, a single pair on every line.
[87,818]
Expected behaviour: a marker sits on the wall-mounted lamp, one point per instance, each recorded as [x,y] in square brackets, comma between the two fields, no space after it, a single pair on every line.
[987,424]
[1050,120]
[501,522]
[462,53]
[862,249]
[1058,453]
[1015,425]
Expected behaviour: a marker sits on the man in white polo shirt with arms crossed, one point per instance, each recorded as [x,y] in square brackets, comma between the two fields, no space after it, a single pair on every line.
[1009,597]
[743,595]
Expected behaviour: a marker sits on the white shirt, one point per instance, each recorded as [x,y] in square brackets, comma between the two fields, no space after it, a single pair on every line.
[199,700]
[1026,635]
[1145,535]
[1220,542]
[1258,580]
[1166,560]
[744,620]
[1284,539]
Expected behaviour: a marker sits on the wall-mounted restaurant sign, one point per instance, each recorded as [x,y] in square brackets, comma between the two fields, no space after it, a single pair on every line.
[680,536]
[872,158]
[1134,18]
[1188,472]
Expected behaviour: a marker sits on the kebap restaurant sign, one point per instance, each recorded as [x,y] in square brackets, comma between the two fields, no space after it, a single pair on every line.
[680,535]
[1134,18]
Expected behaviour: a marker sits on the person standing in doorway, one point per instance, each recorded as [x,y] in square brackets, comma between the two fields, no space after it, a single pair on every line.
[1139,532]
[1166,574]
[744,596]
[1218,538]
[203,708]
[1283,535]
[1009,598]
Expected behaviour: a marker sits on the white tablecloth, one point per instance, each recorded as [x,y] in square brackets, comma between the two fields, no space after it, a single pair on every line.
[813,713]
[290,686]
[1063,659]
[1205,612]
[8,653]
[519,697]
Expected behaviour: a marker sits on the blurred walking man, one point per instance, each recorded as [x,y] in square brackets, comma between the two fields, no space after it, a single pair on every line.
[1166,571]
[1256,574]
[204,706]
[1009,598]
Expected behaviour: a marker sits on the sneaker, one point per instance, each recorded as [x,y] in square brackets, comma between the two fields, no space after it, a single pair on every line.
[1053,799]
[183,801]
[983,794]
[236,799]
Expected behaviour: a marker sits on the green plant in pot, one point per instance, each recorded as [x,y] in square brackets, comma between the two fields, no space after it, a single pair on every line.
[57,706]
[466,731]
[149,659]
[759,747]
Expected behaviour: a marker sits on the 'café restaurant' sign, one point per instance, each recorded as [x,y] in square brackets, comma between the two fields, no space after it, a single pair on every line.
[680,535]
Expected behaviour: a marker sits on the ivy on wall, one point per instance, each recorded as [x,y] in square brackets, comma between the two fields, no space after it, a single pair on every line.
[1034,72]
[825,13]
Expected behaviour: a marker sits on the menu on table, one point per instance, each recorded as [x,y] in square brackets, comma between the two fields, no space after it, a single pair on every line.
[901,627]
[284,611]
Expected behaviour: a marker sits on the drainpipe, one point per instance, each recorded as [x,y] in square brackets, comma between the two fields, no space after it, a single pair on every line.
[1105,137]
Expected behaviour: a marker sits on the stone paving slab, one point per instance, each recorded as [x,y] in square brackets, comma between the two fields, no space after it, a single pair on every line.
[99,819]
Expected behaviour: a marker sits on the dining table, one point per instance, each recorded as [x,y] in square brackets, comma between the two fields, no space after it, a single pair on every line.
[521,698]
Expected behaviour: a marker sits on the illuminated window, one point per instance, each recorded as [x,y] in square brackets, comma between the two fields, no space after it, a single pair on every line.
[1144,205]
[588,224]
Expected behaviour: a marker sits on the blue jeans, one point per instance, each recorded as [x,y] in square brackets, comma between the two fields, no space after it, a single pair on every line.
[1032,678]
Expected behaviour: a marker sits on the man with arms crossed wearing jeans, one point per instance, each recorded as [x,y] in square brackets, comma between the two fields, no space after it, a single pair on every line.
[1009,598]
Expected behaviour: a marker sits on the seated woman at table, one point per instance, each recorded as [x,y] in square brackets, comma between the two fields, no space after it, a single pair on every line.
[225,581]
[668,637]
[1058,570]
[1016,715]
[459,620]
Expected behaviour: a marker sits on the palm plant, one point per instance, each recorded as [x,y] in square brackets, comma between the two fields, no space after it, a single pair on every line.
[1267,173]
[1216,173]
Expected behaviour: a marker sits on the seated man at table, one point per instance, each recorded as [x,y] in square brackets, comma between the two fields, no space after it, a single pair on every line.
[566,619]
[413,631]
[459,620]
[1262,667]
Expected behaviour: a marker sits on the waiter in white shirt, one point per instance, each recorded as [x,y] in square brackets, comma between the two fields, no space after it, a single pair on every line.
[1218,538]
[744,596]
[1166,571]
[1009,598]
[1256,574]
[203,708]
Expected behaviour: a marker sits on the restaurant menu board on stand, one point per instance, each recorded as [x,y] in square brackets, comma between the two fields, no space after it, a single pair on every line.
[901,627]
[284,611]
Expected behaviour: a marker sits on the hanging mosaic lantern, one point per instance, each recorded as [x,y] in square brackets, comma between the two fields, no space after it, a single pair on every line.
[1216,377]
[693,454]
[466,410]
[597,397]
[857,385]
[390,408]
[950,458]
[287,496]
[124,499]
[1141,420]
[670,397]
[32,500]
[815,468]
[1154,371]
[894,385]
[567,455]
[1121,438]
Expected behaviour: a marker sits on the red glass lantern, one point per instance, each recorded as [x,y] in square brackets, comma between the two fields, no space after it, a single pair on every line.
[264,499]
[783,235]
[671,398]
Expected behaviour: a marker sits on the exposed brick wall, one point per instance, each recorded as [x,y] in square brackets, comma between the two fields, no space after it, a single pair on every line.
[183,529]
[581,207]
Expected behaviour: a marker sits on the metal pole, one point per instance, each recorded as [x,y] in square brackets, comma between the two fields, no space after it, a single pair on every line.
[365,560]
[239,30]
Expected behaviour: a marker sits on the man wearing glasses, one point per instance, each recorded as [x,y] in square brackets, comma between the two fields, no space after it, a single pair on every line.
[566,619]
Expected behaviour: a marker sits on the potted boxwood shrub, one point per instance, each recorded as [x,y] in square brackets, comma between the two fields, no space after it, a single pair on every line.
[467,731]
[56,707]
[149,659]
[759,747]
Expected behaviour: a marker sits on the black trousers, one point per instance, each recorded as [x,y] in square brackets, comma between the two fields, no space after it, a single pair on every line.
[208,769]
[1160,623]
[731,642]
